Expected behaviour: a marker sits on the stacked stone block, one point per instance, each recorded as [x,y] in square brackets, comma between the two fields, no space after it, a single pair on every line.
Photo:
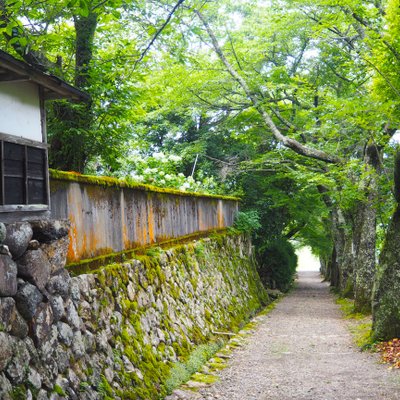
[113,333]
[34,299]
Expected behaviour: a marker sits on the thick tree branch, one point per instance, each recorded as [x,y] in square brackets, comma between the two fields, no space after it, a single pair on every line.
[284,120]
[286,141]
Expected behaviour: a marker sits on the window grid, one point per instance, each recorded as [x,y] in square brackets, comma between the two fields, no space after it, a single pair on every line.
[23,175]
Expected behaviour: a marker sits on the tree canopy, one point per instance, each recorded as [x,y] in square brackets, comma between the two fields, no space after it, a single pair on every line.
[293,104]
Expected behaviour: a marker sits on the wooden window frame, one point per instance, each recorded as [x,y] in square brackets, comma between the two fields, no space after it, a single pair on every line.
[26,143]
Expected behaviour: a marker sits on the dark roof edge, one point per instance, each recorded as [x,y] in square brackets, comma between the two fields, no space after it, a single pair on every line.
[58,88]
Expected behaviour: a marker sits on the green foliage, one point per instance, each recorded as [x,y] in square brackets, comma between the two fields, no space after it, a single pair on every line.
[277,264]
[247,221]
[182,371]
[153,251]
[161,170]
[325,73]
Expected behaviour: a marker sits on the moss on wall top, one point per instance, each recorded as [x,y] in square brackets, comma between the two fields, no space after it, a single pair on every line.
[89,265]
[120,183]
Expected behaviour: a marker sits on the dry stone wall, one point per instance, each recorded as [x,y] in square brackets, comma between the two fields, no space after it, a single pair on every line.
[114,333]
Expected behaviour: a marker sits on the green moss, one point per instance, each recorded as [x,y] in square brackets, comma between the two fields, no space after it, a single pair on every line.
[153,251]
[348,291]
[360,324]
[111,259]
[362,334]
[84,386]
[120,183]
[125,336]
[218,238]
[197,335]
[199,250]
[217,363]
[237,274]
[204,378]
[347,307]
[105,389]
[132,352]
[18,393]
[160,274]
[59,390]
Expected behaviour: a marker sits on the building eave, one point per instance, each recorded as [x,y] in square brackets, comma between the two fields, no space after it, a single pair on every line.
[12,69]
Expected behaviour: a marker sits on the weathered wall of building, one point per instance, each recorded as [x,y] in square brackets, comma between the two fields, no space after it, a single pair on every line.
[113,333]
[110,216]
[20,110]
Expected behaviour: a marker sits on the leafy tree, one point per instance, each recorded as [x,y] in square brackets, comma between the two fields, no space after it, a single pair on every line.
[291,103]
[92,47]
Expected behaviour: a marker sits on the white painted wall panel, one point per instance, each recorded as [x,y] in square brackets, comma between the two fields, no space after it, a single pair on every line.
[20,110]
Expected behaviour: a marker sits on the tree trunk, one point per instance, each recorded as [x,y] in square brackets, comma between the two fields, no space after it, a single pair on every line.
[346,267]
[85,28]
[365,236]
[338,247]
[386,292]
[72,141]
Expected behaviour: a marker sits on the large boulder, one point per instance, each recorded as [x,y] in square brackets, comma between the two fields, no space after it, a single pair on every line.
[28,299]
[8,276]
[10,318]
[5,388]
[17,239]
[5,350]
[57,305]
[59,284]
[42,323]
[46,231]
[35,267]
[18,367]
[56,252]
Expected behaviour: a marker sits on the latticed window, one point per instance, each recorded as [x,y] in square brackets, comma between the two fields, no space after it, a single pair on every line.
[23,174]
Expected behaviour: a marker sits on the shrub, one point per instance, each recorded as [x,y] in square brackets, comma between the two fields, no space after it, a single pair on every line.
[247,221]
[277,264]
[181,372]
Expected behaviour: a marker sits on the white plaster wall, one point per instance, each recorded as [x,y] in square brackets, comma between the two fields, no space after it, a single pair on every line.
[20,110]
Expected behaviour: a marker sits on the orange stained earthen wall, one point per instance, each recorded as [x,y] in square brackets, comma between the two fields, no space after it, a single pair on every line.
[113,219]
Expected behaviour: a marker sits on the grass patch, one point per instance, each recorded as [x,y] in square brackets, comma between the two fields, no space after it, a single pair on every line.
[362,334]
[347,308]
[360,325]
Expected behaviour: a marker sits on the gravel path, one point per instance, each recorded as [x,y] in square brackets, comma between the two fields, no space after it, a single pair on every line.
[303,350]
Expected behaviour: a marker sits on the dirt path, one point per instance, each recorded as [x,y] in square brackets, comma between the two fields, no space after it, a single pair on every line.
[303,350]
